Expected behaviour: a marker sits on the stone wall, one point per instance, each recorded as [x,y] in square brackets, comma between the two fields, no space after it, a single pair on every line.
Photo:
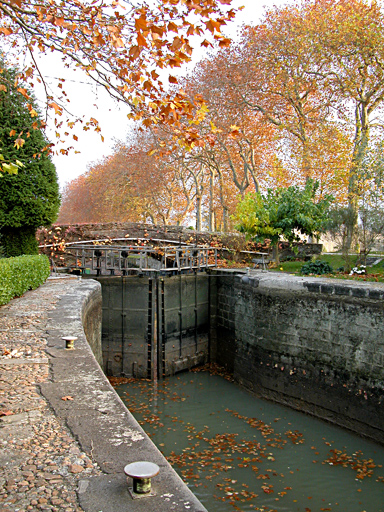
[314,344]
[128,231]
[232,246]
[91,317]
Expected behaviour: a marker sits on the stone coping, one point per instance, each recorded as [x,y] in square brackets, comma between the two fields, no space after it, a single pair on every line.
[267,281]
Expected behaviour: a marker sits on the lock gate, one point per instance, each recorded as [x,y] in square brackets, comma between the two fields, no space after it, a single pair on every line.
[154,325]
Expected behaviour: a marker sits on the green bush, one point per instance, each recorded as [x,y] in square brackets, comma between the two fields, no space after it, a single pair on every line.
[20,274]
[316,267]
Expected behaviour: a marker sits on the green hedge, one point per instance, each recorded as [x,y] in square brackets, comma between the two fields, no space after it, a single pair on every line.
[20,274]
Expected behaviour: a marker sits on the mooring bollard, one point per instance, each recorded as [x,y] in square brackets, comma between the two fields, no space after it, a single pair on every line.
[69,342]
[141,473]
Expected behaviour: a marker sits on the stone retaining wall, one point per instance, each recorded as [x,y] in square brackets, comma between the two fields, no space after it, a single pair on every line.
[233,246]
[314,344]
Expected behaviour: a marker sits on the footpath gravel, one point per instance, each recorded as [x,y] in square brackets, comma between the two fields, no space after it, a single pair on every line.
[40,461]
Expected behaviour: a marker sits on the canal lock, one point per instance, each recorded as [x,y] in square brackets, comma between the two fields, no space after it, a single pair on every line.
[155,326]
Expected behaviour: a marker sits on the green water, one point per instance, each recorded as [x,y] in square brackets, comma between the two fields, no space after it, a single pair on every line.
[237,452]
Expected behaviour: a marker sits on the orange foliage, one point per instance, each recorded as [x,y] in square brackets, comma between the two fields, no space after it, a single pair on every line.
[293,99]
[119,46]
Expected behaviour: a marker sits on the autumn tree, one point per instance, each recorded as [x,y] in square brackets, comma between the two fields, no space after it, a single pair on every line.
[278,76]
[293,100]
[30,198]
[78,202]
[370,182]
[348,37]
[315,69]
[241,135]
[237,144]
[119,46]
[132,184]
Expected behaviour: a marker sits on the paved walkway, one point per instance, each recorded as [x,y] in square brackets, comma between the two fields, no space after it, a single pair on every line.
[40,462]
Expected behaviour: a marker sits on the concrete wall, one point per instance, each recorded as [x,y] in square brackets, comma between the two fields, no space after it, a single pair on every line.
[97,417]
[91,317]
[314,344]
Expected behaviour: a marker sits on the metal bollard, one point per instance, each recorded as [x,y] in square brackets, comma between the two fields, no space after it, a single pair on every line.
[141,473]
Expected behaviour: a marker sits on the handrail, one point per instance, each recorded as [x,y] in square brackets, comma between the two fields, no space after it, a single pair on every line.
[117,260]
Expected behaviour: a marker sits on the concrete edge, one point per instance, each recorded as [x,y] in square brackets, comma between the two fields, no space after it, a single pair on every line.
[99,420]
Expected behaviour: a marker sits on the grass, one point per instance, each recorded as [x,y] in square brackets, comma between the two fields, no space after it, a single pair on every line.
[373,273]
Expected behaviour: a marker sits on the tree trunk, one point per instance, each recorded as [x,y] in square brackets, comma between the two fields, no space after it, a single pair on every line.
[359,152]
[211,219]
[275,253]
[198,214]
[225,219]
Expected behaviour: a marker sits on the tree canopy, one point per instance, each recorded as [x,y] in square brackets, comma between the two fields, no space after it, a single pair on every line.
[120,46]
[296,97]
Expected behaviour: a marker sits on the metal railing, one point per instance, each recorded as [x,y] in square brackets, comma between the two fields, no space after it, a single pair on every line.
[115,260]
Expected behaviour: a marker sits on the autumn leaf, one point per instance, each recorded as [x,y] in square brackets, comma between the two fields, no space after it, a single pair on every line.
[141,23]
[23,91]
[59,22]
[31,110]
[6,31]
[55,106]
[10,168]
[224,42]
[206,43]
[134,52]
[141,41]
[19,143]
[172,27]
[6,413]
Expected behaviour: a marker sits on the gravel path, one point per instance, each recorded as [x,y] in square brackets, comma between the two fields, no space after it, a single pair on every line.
[40,462]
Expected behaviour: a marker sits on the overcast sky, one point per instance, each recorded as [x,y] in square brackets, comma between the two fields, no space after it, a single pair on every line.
[112,117]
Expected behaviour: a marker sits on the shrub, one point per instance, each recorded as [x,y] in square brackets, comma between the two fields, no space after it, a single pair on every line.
[20,274]
[19,241]
[30,198]
[317,268]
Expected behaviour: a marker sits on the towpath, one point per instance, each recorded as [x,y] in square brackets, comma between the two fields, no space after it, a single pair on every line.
[40,461]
